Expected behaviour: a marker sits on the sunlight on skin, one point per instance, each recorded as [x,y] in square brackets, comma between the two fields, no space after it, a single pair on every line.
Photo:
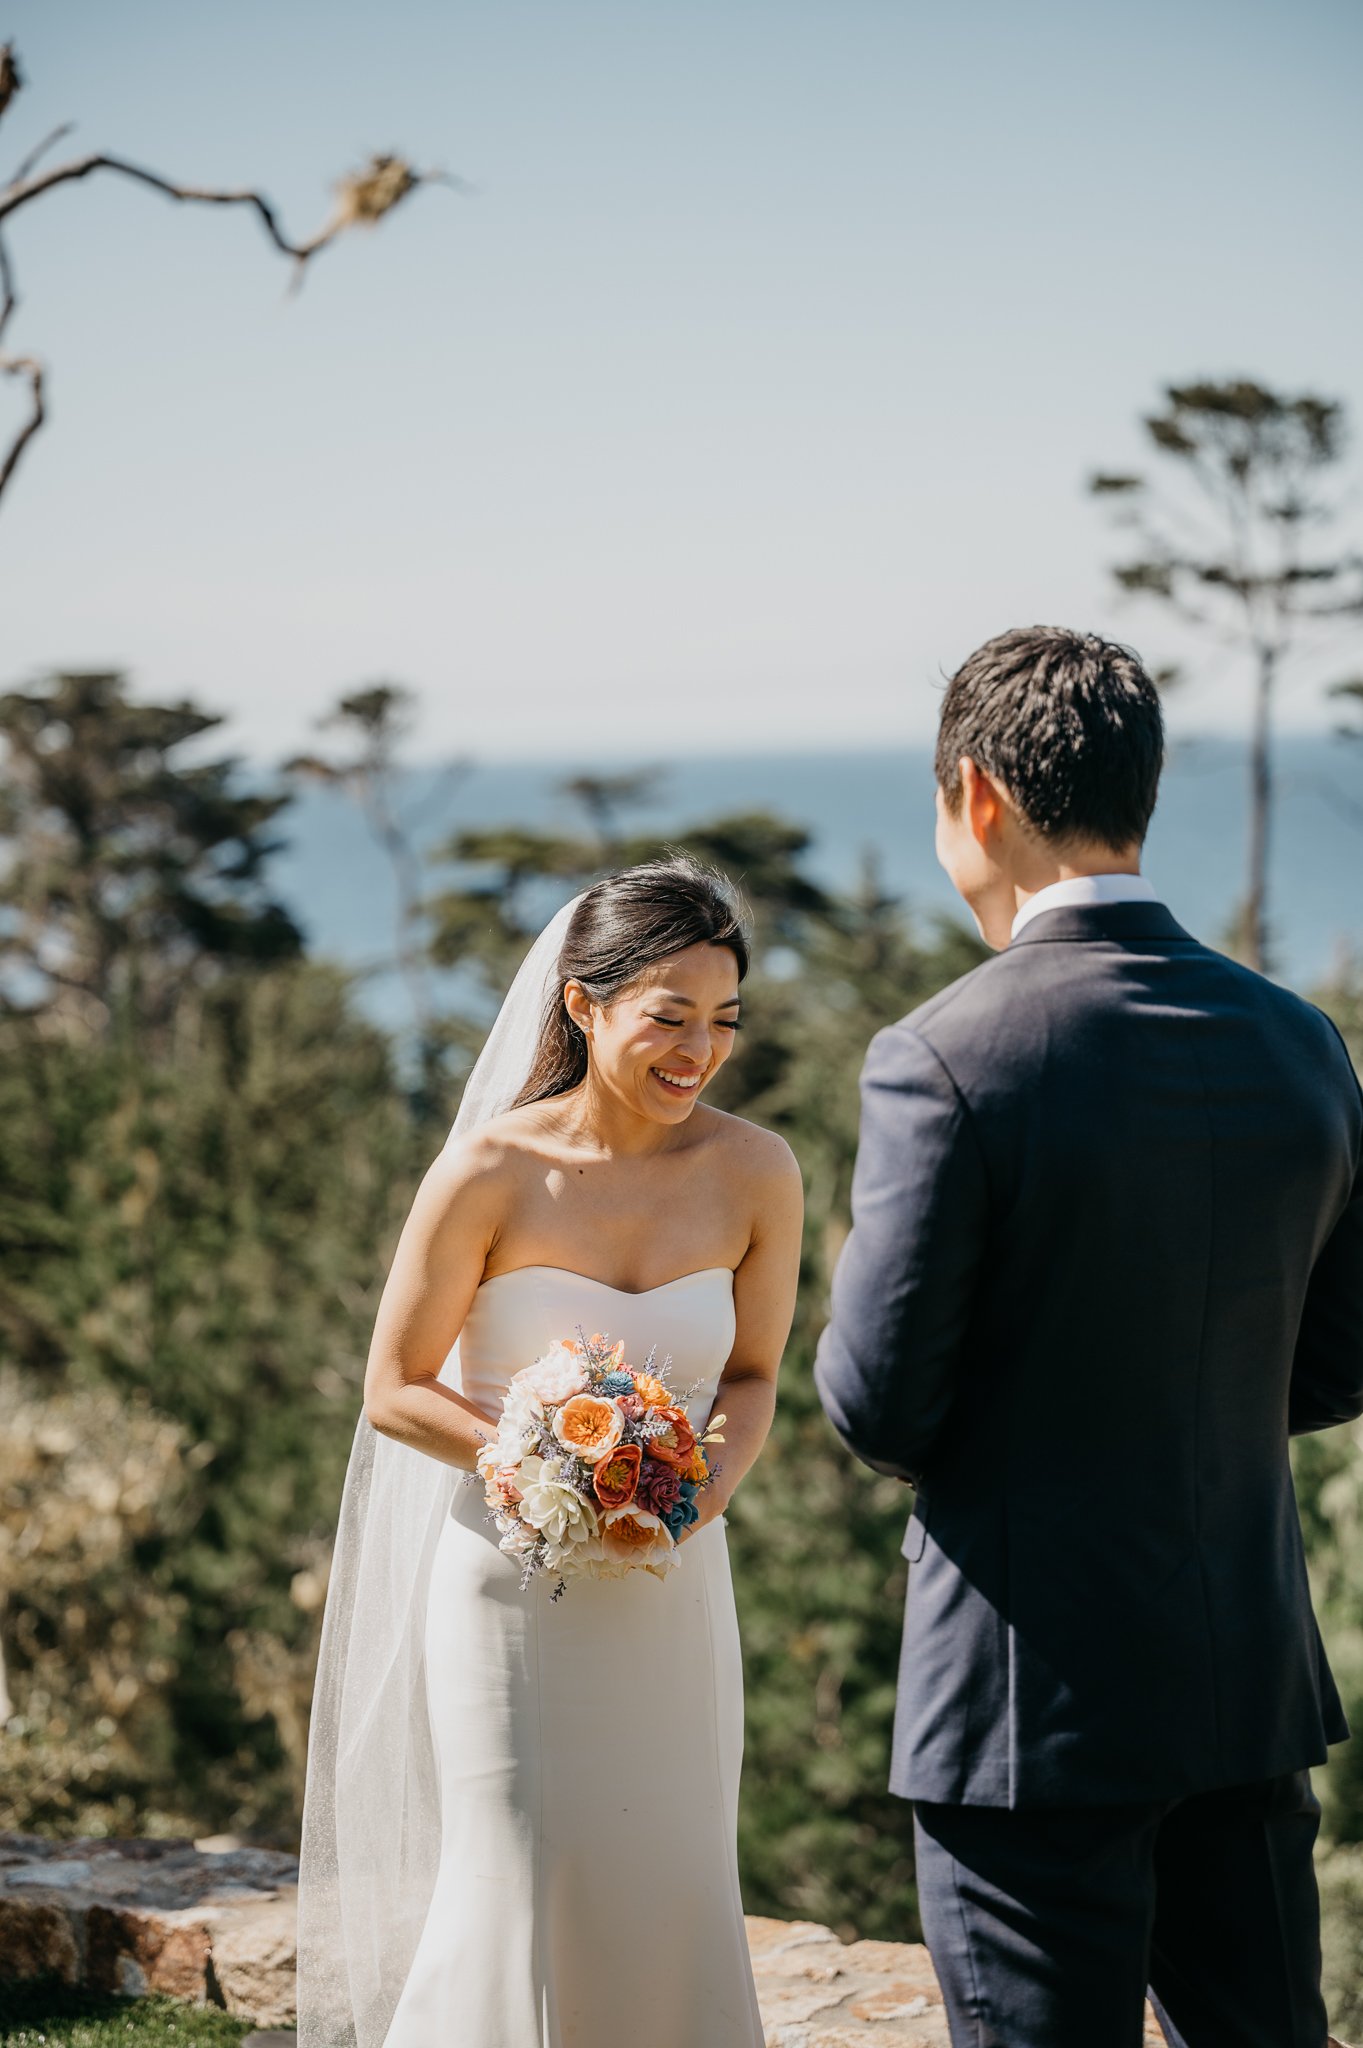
[652,1054]
[584,1181]
[678,1021]
[997,862]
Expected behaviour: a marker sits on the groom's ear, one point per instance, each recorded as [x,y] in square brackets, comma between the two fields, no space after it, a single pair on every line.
[983,803]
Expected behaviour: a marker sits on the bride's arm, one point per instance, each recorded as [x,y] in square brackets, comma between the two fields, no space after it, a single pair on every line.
[435,1273]
[764,1302]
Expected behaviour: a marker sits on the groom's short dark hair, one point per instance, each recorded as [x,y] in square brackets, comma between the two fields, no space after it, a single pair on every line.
[1068,723]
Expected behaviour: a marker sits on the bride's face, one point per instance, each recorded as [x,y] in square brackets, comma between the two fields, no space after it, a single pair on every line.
[665,1037]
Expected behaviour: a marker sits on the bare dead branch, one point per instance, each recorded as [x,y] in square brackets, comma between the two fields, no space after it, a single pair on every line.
[364,197]
[8,296]
[30,367]
[11,78]
[48,142]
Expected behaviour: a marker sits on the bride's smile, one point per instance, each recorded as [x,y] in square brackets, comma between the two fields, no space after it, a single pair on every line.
[656,1047]
[676,1081]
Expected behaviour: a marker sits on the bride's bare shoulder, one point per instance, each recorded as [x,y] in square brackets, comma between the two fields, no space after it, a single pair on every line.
[760,1155]
[474,1182]
[496,1150]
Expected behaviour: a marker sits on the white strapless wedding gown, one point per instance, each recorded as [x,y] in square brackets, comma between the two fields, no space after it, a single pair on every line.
[589,1748]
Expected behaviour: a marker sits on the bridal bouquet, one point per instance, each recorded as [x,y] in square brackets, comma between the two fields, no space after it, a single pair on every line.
[595,1469]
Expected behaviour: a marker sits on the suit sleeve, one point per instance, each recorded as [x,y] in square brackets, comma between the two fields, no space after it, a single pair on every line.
[1327,1366]
[888,1362]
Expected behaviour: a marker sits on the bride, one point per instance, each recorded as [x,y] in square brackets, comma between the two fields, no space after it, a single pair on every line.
[519,1825]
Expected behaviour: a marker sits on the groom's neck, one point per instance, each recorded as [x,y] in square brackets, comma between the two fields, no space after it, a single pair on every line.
[1099,861]
[1031,865]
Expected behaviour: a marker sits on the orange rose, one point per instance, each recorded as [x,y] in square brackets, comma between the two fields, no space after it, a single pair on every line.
[651,1391]
[589,1426]
[675,1443]
[696,1469]
[617,1475]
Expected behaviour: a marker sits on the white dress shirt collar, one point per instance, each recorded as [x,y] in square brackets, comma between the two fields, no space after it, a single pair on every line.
[1084,889]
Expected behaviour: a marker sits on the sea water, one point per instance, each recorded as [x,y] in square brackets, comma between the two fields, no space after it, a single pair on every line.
[336,881]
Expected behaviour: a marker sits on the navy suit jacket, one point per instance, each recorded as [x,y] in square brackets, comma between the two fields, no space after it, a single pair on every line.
[1106,1256]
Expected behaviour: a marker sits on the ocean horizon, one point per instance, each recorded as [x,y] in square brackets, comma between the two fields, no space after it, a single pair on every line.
[858,804]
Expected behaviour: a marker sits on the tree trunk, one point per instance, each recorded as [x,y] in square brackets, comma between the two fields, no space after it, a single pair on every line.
[1255,922]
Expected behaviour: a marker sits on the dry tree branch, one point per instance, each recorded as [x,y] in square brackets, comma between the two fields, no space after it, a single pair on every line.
[363,198]
[11,78]
[21,366]
[43,147]
[17,366]
[8,297]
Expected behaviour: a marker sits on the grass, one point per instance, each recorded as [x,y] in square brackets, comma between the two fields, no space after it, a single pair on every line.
[1341,1898]
[58,2016]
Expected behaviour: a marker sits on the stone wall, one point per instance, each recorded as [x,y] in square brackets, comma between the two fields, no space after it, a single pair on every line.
[137,1916]
[217,1926]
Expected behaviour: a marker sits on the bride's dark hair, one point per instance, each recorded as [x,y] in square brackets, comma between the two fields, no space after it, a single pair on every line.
[624,924]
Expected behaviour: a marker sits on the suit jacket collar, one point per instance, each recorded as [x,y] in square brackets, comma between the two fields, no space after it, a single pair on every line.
[1113,921]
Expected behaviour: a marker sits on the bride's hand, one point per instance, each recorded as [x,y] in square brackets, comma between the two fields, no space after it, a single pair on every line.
[711,1508]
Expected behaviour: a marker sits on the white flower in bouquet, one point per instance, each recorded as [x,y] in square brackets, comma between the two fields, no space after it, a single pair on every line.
[580,1556]
[553,1507]
[557,1376]
[522,1411]
[518,1426]
[518,1539]
[501,1453]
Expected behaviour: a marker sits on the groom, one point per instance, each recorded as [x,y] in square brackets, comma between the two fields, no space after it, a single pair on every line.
[1106,1255]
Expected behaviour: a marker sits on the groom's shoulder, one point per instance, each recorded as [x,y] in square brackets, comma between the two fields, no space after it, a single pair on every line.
[1014,1002]
[926,1037]
[956,1008]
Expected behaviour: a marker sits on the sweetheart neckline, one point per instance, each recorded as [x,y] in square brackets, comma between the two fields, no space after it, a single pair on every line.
[629,1294]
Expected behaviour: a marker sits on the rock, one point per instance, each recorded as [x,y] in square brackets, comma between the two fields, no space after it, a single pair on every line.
[134,1953]
[215,1923]
[254,1955]
[213,1927]
[36,1940]
[816,1991]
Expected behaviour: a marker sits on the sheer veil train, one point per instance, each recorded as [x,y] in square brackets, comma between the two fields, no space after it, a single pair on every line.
[371,1814]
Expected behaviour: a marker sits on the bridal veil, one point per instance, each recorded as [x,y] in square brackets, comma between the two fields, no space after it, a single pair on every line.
[371,1811]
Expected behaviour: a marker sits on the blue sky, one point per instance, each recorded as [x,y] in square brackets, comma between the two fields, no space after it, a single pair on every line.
[756,382]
